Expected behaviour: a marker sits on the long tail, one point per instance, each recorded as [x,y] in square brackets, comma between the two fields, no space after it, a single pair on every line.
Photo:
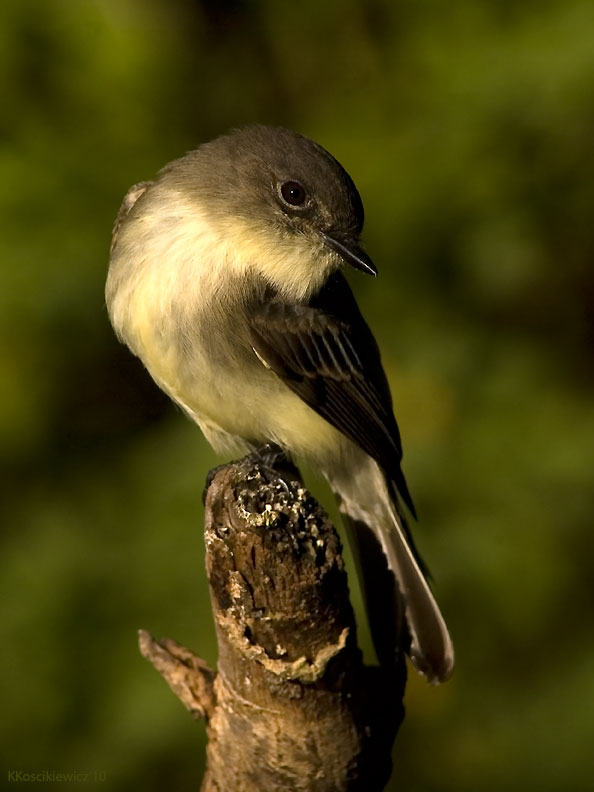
[371,512]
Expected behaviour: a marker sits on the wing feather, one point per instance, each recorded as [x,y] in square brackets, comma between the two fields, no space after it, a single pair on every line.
[325,352]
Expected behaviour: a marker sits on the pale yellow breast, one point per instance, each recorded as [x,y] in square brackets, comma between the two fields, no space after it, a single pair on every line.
[171,273]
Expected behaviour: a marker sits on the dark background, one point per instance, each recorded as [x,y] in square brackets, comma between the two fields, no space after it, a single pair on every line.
[468,128]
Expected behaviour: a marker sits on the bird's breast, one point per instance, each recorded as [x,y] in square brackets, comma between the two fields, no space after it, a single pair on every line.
[178,294]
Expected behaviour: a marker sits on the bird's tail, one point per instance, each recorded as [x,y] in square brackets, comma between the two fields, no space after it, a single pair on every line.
[401,608]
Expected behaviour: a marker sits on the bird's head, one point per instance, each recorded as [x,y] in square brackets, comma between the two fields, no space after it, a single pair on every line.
[280,203]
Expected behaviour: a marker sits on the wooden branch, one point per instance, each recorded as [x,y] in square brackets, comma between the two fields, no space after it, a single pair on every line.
[291,706]
[187,675]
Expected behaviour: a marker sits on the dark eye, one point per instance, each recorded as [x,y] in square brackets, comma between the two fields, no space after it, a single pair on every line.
[293,193]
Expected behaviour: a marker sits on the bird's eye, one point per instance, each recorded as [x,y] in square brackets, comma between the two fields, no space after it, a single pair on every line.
[293,193]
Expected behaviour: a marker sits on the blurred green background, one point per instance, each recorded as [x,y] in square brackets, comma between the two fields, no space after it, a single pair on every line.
[469,130]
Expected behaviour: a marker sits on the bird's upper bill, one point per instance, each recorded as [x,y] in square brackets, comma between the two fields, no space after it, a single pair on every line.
[350,252]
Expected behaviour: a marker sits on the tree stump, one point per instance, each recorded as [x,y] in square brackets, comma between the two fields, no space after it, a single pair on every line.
[291,705]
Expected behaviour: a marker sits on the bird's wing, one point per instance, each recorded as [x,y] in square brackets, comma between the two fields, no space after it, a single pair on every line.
[134,193]
[325,352]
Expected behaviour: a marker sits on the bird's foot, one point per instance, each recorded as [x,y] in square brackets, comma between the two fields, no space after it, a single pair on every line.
[273,457]
[270,456]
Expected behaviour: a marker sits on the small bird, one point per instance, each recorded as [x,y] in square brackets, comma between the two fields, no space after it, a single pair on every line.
[226,280]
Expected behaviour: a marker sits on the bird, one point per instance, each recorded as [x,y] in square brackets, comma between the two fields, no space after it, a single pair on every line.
[227,279]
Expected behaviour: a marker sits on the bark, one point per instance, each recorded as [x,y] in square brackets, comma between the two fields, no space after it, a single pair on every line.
[291,706]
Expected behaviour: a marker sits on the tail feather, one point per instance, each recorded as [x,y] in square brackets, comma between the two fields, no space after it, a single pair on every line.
[431,649]
[369,503]
[394,490]
[399,482]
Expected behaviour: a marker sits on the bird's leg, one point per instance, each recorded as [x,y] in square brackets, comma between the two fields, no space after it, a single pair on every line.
[271,455]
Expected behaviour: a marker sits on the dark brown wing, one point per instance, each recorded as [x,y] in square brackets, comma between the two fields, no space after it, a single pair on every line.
[325,352]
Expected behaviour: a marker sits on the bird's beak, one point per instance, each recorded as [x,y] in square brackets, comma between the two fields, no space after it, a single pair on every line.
[350,252]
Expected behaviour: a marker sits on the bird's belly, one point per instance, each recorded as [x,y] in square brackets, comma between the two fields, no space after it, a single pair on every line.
[241,404]
[261,409]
